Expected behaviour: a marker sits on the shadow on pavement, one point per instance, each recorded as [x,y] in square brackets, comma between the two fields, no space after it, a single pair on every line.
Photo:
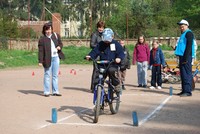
[36,92]
[155,91]
[78,88]
[83,113]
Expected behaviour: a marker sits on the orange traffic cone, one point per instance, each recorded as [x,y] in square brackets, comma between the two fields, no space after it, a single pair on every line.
[33,73]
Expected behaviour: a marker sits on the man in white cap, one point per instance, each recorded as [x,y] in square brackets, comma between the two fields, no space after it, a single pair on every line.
[185,51]
[109,49]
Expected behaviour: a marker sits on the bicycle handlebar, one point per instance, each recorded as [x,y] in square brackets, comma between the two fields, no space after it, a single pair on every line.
[101,62]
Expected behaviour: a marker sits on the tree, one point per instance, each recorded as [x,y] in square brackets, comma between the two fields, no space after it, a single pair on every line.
[189,10]
[8,26]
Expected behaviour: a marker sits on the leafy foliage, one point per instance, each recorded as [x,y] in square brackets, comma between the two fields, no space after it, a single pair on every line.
[128,18]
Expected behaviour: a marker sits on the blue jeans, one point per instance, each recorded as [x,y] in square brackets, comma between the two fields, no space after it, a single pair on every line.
[52,70]
[142,72]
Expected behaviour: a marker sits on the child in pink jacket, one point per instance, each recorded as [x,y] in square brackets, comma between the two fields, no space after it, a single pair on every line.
[141,56]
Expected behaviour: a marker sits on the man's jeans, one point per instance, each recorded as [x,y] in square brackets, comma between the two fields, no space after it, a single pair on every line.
[52,70]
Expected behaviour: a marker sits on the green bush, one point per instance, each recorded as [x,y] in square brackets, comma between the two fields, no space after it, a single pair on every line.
[3,43]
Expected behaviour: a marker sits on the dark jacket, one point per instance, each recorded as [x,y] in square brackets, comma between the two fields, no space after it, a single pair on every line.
[44,49]
[103,50]
[158,58]
[126,63]
[96,37]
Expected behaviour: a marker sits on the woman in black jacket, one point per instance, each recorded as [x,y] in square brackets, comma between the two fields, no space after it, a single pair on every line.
[96,37]
[49,49]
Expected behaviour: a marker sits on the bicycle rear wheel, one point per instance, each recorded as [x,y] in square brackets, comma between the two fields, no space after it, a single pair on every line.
[115,102]
[97,105]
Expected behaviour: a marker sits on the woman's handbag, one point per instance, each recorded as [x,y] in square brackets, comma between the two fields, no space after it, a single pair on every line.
[61,55]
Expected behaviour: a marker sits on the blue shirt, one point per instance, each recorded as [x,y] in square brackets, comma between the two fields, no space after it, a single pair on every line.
[182,44]
[109,51]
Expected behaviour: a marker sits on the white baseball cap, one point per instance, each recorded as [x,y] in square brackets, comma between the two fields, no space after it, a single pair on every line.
[183,22]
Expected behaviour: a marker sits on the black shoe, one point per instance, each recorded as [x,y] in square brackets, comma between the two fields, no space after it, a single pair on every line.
[144,86]
[56,95]
[185,95]
[179,93]
[140,85]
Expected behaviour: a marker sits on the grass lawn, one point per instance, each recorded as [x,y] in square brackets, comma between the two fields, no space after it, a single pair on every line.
[74,55]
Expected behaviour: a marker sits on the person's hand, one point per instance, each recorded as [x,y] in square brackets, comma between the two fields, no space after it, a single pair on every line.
[40,64]
[87,57]
[58,48]
[117,60]
[149,67]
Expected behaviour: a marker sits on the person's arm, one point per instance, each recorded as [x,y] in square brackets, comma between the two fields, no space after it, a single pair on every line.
[119,53]
[93,41]
[151,58]
[134,55]
[40,52]
[128,55]
[128,58]
[162,58]
[148,53]
[60,44]
[94,52]
[188,50]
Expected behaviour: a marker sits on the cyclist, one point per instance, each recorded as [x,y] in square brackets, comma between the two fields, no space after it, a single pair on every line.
[109,49]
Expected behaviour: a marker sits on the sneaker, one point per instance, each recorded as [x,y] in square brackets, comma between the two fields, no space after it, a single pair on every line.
[140,85]
[152,87]
[46,95]
[56,94]
[159,87]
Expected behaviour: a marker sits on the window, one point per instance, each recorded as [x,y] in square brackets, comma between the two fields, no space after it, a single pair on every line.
[66,32]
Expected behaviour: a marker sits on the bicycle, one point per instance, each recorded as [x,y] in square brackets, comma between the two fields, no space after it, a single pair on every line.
[170,76]
[195,76]
[104,96]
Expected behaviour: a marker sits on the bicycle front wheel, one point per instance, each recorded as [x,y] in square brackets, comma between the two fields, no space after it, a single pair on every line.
[115,102]
[172,79]
[97,105]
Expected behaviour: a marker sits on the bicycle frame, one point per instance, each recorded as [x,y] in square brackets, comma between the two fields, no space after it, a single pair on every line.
[102,96]
[102,71]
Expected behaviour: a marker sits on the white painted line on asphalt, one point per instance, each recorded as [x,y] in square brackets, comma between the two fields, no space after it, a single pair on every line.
[98,125]
[63,119]
[154,111]
[141,94]
[145,119]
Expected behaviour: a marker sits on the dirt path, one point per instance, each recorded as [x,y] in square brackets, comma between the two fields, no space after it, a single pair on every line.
[25,111]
